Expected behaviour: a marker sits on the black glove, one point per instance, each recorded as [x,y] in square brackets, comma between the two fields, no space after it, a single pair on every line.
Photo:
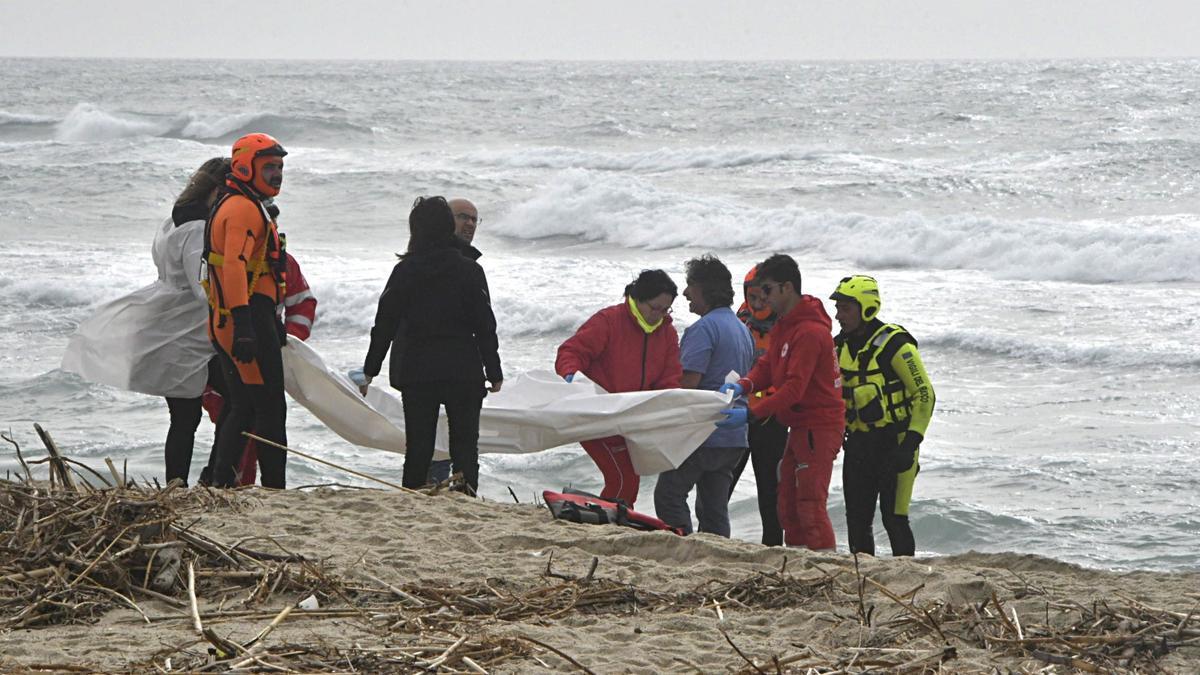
[906,453]
[281,331]
[243,334]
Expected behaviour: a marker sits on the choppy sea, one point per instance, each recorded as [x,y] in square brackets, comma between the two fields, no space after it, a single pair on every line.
[1033,224]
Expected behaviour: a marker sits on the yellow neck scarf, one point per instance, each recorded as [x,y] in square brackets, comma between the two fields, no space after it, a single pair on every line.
[646,325]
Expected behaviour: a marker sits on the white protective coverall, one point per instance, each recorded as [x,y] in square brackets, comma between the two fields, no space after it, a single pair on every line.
[154,340]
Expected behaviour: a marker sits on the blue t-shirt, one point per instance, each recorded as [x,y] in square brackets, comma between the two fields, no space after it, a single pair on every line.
[716,344]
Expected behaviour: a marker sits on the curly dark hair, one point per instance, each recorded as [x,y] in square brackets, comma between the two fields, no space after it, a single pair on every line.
[650,284]
[714,278]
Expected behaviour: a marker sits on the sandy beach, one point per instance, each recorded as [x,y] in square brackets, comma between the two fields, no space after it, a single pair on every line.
[422,576]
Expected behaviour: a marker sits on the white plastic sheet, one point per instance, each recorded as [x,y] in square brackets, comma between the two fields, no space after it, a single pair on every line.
[533,412]
[154,340]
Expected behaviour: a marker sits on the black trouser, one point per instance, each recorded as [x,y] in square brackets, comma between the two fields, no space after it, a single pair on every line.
[258,407]
[767,442]
[422,402]
[181,436]
[867,477]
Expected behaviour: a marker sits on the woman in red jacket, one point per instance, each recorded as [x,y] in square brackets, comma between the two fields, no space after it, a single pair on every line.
[630,346]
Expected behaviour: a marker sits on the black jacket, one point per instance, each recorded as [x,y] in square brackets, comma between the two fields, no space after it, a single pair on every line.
[437,310]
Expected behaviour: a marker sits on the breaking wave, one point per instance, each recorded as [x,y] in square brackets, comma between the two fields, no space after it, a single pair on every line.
[89,123]
[631,212]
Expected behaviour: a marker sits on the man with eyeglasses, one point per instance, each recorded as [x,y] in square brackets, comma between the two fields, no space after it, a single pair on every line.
[801,365]
[466,221]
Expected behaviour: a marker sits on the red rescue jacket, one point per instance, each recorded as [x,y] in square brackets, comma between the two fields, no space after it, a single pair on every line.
[300,306]
[801,364]
[615,353]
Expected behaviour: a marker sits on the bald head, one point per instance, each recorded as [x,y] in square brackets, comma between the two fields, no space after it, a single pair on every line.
[466,219]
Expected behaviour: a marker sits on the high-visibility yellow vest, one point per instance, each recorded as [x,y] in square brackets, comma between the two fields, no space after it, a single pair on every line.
[873,393]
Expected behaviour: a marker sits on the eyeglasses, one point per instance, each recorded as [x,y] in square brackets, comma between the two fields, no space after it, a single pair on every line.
[766,288]
[659,310]
[468,218]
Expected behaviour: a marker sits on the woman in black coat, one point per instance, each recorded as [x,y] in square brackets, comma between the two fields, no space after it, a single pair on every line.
[437,311]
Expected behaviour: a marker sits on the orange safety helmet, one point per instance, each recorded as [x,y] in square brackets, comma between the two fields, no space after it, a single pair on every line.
[246,163]
[749,287]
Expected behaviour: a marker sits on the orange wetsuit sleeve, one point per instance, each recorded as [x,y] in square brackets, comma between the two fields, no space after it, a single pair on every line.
[244,229]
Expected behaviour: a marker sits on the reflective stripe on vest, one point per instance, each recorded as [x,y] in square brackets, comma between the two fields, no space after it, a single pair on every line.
[872,400]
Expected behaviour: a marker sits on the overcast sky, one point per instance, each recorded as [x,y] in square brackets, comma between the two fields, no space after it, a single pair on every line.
[601,29]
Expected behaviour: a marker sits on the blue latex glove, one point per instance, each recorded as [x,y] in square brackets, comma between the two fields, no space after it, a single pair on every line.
[734,417]
[731,386]
[569,376]
[357,376]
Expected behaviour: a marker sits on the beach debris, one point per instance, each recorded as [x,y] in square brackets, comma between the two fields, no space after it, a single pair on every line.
[78,546]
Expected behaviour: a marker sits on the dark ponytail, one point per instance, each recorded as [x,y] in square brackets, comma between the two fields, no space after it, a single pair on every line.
[210,176]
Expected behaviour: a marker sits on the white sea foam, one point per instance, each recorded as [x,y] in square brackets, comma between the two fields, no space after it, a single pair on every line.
[663,159]
[23,118]
[630,211]
[32,293]
[1050,350]
[202,127]
[87,123]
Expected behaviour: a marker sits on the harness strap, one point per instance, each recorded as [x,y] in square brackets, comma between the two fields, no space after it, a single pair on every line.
[255,268]
[259,266]
[880,348]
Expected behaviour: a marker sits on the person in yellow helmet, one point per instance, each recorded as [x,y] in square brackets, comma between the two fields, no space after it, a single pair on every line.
[889,401]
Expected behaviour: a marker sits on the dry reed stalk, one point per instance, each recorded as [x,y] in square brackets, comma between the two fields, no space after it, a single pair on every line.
[67,556]
[339,467]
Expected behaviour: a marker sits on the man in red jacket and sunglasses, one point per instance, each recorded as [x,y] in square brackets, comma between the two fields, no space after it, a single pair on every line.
[801,365]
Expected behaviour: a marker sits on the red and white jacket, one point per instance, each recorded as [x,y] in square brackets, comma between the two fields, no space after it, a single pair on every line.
[299,306]
[801,365]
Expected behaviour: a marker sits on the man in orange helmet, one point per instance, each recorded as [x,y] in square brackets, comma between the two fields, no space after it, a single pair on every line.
[245,278]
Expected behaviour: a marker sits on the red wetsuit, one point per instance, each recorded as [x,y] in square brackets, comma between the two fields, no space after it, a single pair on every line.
[801,366]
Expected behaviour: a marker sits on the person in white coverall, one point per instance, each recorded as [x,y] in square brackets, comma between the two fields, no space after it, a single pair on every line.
[155,340]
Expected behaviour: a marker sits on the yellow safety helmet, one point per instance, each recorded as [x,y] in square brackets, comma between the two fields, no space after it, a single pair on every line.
[861,289]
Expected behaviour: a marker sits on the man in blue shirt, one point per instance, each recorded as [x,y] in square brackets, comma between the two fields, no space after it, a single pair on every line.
[712,347]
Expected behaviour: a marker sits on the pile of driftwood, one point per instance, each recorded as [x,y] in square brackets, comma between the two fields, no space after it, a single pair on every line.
[82,544]
[903,635]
